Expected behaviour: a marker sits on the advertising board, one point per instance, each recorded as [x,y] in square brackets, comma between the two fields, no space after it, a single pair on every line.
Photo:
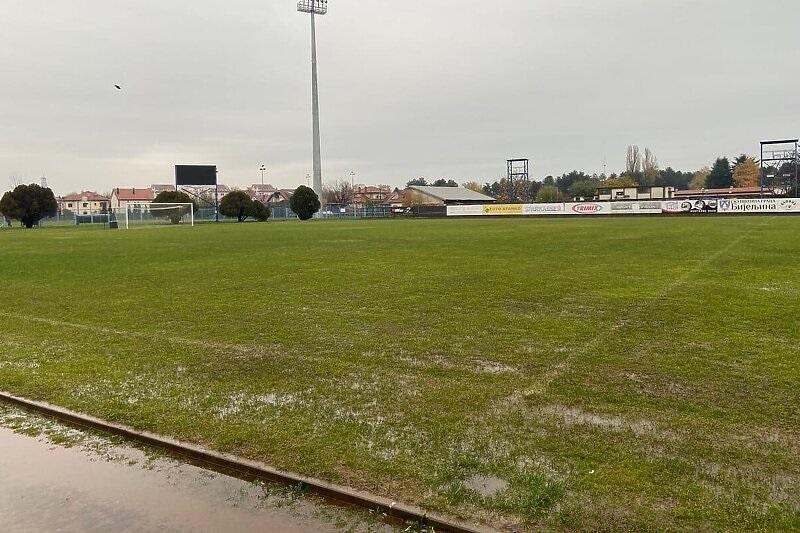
[708,205]
[502,209]
[464,210]
[589,208]
[759,205]
[543,209]
[641,207]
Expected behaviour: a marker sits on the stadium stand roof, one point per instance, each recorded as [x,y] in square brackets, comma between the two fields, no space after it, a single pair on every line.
[453,194]
[730,192]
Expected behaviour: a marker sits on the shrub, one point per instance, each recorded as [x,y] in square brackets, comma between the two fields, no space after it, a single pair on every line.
[305,203]
[261,212]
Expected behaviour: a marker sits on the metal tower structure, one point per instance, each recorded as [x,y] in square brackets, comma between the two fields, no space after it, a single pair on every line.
[315,7]
[779,164]
[518,170]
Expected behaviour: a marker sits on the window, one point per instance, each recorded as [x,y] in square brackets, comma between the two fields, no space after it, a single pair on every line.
[85,204]
[69,205]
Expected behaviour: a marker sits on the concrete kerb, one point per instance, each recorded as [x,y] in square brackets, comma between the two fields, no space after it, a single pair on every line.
[249,469]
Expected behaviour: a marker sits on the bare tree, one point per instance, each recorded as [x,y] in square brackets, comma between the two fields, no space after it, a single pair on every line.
[650,163]
[340,192]
[633,164]
[650,168]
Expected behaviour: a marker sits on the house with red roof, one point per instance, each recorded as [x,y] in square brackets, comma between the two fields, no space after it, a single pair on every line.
[83,203]
[369,194]
[122,197]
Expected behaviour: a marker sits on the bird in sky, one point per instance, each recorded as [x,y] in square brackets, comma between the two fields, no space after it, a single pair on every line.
[118,87]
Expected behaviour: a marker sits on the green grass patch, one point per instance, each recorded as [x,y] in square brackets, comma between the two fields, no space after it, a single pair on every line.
[612,373]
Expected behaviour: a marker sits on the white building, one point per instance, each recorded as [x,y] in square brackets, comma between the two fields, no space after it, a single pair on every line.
[612,194]
[84,203]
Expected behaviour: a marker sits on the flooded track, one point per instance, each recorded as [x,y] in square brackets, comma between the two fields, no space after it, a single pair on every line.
[56,478]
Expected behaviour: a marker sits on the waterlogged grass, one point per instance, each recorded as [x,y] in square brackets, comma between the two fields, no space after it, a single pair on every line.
[602,373]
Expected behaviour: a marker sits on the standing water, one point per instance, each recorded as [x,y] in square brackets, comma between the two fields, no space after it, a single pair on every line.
[55,478]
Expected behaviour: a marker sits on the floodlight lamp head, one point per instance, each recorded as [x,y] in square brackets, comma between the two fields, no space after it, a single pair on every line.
[317,7]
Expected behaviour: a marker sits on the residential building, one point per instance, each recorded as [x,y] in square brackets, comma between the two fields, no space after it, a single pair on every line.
[122,197]
[269,194]
[84,203]
[612,194]
[369,194]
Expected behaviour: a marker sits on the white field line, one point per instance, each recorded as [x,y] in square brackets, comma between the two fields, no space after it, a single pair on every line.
[161,336]
[541,385]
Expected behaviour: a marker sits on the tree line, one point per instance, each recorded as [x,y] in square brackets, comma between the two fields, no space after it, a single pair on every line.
[641,170]
[30,204]
[239,205]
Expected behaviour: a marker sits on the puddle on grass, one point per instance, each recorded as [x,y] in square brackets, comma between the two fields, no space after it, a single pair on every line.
[486,486]
[56,478]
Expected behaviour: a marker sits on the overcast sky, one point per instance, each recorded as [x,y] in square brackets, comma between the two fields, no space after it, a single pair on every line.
[433,88]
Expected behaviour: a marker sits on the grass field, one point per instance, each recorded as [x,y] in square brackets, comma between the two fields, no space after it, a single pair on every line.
[597,373]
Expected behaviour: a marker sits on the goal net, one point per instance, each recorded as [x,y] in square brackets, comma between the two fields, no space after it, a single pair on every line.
[133,215]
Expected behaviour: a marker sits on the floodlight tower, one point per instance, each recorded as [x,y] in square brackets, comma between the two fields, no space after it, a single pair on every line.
[315,7]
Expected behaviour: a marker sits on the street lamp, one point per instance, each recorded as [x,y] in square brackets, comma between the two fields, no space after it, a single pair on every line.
[315,7]
[263,169]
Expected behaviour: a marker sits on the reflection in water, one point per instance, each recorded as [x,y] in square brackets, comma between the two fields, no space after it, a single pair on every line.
[54,478]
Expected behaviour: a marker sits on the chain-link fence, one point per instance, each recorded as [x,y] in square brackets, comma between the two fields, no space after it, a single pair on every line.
[207,214]
[355,211]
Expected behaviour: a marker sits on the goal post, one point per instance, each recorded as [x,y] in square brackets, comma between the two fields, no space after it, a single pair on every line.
[136,214]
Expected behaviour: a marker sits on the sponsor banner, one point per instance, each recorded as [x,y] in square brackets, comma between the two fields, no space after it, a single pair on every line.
[502,209]
[589,208]
[622,207]
[464,210]
[708,205]
[759,205]
[633,208]
[543,209]
[642,207]
[652,208]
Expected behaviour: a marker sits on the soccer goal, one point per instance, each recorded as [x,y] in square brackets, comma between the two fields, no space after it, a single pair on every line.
[150,214]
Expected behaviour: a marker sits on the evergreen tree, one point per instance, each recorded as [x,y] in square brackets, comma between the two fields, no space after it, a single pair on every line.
[29,204]
[721,176]
[236,204]
[304,203]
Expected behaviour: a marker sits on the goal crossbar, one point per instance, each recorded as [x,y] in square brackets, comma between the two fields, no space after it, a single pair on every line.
[148,207]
